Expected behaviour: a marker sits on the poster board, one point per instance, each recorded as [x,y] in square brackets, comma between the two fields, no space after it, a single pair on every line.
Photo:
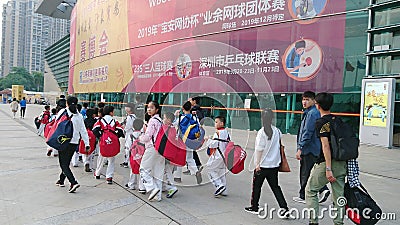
[377,111]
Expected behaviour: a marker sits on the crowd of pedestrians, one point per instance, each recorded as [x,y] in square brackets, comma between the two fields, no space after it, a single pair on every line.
[156,173]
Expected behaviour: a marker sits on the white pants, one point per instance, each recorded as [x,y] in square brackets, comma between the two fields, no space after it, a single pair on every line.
[88,159]
[75,159]
[135,181]
[127,147]
[110,166]
[190,162]
[178,172]
[41,129]
[168,177]
[152,170]
[216,171]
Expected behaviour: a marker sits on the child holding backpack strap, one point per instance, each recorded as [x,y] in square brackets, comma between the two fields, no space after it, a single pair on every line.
[216,165]
[152,165]
[137,126]
[108,130]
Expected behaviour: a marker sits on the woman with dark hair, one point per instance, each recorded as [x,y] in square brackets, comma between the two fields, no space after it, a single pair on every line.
[267,159]
[79,131]
[153,164]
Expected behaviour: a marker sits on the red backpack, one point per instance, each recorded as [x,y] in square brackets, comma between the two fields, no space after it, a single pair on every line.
[47,128]
[109,141]
[136,154]
[234,156]
[169,146]
[92,143]
[51,129]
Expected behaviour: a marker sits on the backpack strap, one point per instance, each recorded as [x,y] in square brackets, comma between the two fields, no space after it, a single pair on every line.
[152,137]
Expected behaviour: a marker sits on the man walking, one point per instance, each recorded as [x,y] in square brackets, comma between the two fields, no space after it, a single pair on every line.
[326,170]
[22,104]
[308,146]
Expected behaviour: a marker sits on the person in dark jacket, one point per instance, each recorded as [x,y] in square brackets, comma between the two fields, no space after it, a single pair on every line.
[308,146]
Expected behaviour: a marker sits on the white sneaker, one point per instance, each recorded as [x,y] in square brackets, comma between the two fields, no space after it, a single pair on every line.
[299,200]
[153,193]
[156,199]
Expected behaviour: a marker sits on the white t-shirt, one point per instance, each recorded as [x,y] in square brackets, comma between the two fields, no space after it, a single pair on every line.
[271,156]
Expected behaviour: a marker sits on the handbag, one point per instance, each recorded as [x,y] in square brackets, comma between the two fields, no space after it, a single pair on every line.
[284,166]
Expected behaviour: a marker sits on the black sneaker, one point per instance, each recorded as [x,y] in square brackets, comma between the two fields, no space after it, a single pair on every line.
[220,190]
[124,164]
[97,177]
[49,152]
[142,191]
[80,159]
[187,172]
[73,187]
[87,168]
[60,184]
[109,180]
[252,210]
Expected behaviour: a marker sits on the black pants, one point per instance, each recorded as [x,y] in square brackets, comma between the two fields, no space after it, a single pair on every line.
[64,158]
[271,174]
[196,158]
[306,164]
[23,111]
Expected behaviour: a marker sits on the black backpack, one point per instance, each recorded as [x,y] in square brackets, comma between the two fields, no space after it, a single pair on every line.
[360,207]
[344,142]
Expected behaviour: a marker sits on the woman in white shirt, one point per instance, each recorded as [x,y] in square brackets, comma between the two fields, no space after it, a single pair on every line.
[267,160]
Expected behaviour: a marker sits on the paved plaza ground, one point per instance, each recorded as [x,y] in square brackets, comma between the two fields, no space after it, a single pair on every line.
[28,194]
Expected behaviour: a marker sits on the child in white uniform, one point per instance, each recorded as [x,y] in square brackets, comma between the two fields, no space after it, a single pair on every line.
[128,128]
[168,118]
[134,178]
[216,165]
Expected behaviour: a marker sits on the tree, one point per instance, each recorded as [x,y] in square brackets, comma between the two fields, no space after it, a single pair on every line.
[18,76]
[38,79]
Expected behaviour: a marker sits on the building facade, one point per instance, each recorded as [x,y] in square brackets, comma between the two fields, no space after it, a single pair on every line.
[358,40]
[383,50]
[26,34]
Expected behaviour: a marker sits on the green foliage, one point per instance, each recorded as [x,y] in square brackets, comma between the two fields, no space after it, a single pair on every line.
[20,76]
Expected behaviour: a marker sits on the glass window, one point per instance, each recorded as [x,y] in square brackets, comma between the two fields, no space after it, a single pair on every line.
[396,65]
[381,65]
[387,17]
[382,39]
[396,39]
[381,1]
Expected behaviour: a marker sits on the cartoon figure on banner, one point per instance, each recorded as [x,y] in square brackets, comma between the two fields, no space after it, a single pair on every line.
[306,9]
[302,60]
[183,67]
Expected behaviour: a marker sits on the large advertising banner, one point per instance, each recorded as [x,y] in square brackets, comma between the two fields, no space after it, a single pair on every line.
[101,55]
[214,46]
[376,97]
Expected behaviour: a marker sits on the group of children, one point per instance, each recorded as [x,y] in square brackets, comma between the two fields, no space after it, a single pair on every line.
[156,172]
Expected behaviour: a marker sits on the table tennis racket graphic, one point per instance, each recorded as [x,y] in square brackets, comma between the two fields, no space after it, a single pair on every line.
[308,61]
